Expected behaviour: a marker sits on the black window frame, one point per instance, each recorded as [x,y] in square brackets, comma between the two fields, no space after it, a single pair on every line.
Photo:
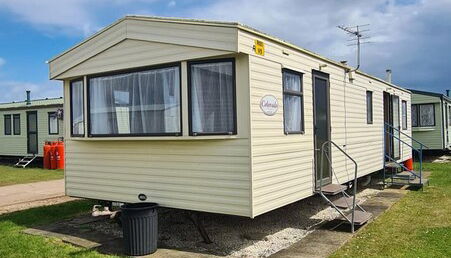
[16,116]
[417,114]
[404,117]
[5,118]
[132,70]
[83,108]
[190,111]
[49,114]
[300,94]
[369,113]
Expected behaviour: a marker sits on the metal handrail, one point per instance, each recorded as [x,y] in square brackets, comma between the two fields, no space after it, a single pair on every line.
[408,136]
[355,181]
[418,150]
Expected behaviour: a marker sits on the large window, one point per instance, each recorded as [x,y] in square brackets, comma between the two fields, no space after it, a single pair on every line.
[212,97]
[136,103]
[16,124]
[369,107]
[53,123]
[7,124]
[77,108]
[293,102]
[404,114]
[423,115]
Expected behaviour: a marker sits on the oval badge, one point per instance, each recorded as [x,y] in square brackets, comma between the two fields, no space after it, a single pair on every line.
[269,105]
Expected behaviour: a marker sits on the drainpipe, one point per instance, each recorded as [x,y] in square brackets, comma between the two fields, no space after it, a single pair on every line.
[28,98]
[388,79]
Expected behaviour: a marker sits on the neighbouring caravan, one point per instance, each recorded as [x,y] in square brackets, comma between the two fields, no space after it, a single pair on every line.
[431,119]
[216,116]
[26,125]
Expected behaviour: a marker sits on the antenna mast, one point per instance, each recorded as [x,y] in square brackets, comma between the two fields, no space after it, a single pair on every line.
[355,32]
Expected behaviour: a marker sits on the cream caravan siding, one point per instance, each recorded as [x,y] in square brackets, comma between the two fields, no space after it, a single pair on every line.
[431,136]
[187,172]
[136,53]
[207,37]
[16,145]
[283,169]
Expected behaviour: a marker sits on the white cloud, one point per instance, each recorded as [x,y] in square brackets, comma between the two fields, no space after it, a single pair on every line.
[69,16]
[15,90]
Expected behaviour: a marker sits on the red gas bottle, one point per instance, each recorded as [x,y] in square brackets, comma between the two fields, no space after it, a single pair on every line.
[60,157]
[52,157]
[47,149]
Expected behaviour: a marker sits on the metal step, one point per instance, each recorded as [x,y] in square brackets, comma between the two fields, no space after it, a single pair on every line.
[333,189]
[343,202]
[392,164]
[360,217]
[404,175]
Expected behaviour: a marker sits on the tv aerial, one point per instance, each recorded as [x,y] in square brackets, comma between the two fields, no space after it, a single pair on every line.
[357,38]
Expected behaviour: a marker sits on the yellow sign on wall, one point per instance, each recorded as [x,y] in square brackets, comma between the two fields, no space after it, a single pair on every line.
[259,47]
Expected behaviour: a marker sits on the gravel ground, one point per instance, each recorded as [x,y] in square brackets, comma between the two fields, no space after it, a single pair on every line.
[238,236]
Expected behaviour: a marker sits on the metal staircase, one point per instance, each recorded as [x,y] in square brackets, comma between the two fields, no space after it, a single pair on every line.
[346,205]
[25,161]
[396,172]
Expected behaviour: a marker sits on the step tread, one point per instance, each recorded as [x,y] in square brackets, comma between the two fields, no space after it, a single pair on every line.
[332,189]
[404,174]
[392,164]
[360,217]
[343,202]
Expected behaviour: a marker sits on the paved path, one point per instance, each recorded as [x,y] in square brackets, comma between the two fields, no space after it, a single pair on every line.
[22,196]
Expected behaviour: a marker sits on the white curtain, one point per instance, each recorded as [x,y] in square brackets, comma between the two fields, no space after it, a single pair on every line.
[137,103]
[212,97]
[427,115]
[414,115]
[77,108]
[292,102]
[53,123]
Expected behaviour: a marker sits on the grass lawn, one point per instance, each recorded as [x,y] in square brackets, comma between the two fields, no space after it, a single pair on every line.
[13,243]
[10,175]
[417,226]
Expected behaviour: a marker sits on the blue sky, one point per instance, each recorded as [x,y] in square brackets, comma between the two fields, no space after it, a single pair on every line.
[412,37]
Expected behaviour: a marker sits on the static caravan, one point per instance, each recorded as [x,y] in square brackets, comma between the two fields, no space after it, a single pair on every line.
[215,116]
[431,119]
[26,125]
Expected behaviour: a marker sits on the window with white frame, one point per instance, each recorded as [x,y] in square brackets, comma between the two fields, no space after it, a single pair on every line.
[53,123]
[140,103]
[404,114]
[212,97]
[293,102]
[77,108]
[423,115]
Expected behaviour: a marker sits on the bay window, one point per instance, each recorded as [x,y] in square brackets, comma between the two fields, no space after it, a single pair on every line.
[212,97]
[137,103]
[77,108]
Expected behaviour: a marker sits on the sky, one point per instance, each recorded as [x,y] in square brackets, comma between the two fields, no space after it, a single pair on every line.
[410,37]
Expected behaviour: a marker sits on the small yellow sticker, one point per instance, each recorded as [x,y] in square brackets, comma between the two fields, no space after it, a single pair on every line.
[259,47]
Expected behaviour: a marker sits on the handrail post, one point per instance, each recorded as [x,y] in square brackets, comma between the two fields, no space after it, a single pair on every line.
[421,163]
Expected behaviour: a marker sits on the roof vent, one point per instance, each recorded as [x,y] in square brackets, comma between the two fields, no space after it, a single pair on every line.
[448,93]
[28,98]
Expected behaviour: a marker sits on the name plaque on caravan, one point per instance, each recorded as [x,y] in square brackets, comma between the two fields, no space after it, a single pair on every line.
[269,105]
